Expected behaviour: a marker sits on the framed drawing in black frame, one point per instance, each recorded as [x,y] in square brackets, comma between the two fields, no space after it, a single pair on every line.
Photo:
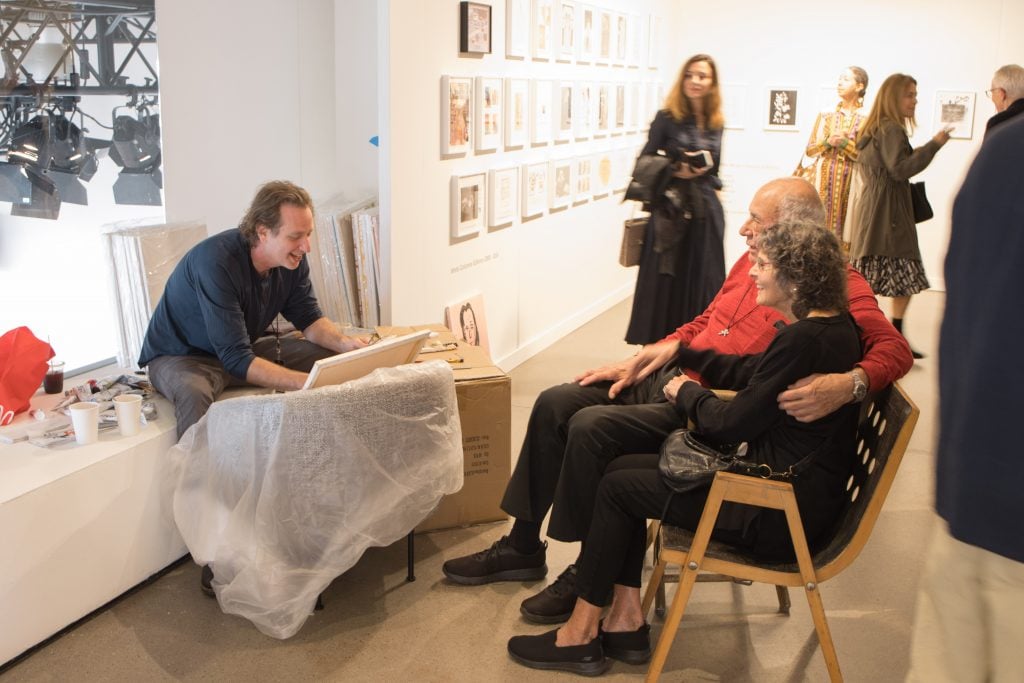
[474,28]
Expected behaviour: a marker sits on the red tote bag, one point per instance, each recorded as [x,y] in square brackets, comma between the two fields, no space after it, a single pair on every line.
[23,365]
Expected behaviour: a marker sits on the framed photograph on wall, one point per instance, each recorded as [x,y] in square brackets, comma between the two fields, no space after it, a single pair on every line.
[604,37]
[560,183]
[602,167]
[474,28]
[603,113]
[582,177]
[540,107]
[780,111]
[587,38]
[619,107]
[517,29]
[621,34]
[654,42]
[636,40]
[955,108]
[563,113]
[517,111]
[535,189]
[456,114]
[542,23]
[566,30]
[468,205]
[583,113]
[734,105]
[488,113]
[502,193]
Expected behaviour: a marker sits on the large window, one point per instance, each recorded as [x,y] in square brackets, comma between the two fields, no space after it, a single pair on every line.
[79,150]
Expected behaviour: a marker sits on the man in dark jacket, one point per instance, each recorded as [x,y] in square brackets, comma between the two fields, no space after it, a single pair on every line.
[970,612]
[1007,93]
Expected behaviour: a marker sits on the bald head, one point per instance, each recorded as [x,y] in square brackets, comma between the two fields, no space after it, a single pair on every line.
[783,200]
[794,199]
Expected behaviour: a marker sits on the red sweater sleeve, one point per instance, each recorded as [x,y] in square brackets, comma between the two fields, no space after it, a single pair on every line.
[887,355]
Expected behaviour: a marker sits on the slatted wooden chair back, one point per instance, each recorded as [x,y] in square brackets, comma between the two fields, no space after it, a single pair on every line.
[887,422]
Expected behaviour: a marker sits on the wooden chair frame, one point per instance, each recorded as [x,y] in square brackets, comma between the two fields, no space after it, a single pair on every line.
[888,420]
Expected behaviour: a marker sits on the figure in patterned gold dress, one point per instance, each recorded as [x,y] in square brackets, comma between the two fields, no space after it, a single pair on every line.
[833,142]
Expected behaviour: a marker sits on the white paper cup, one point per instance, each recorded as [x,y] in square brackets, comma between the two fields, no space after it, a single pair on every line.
[85,418]
[129,413]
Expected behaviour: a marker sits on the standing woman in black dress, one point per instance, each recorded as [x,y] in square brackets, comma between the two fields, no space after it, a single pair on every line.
[683,262]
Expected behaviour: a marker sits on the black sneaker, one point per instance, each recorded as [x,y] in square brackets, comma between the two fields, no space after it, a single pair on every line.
[206,581]
[540,652]
[554,604]
[500,562]
[632,647]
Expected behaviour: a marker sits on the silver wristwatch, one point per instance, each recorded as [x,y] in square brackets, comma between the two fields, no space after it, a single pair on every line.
[860,390]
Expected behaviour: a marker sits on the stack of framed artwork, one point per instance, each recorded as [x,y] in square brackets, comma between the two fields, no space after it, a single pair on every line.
[563,136]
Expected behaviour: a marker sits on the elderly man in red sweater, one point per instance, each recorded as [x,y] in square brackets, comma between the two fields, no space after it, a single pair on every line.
[577,429]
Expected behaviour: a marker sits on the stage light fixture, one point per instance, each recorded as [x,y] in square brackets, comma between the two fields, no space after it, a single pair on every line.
[136,148]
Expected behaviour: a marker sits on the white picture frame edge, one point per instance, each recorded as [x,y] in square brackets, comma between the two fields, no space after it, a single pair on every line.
[517,46]
[447,149]
[463,229]
[481,141]
[494,220]
[529,210]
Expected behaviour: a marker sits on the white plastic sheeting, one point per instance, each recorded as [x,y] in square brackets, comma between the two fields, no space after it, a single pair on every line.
[281,493]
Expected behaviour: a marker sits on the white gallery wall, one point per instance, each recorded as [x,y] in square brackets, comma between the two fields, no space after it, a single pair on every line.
[944,44]
[249,91]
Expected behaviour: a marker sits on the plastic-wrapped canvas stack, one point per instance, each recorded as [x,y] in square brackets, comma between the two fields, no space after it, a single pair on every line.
[142,255]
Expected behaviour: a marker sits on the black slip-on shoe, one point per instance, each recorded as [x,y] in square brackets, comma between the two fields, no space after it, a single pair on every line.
[540,652]
[206,581]
[500,562]
[554,604]
[631,647]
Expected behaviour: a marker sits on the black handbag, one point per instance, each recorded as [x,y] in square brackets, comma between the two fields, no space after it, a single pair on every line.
[688,462]
[919,200]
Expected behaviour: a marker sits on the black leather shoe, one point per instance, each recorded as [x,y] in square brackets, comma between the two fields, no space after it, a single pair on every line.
[540,652]
[554,604]
[632,647]
[500,562]
[206,581]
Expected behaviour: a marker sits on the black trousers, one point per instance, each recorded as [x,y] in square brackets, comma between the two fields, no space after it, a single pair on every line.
[630,493]
[573,434]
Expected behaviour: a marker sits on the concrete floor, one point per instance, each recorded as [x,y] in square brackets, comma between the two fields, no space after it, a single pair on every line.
[378,627]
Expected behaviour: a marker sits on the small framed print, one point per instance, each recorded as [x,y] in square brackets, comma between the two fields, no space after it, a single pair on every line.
[468,205]
[517,28]
[619,107]
[488,113]
[955,109]
[535,189]
[780,114]
[540,120]
[604,37]
[456,114]
[517,111]
[502,193]
[654,42]
[560,183]
[543,21]
[602,167]
[474,28]
[566,30]
[621,39]
[563,112]
[587,35]
[582,177]
[636,40]
[583,113]
[603,114]
[623,160]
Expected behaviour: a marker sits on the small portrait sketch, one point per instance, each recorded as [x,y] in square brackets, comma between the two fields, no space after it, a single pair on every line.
[467,321]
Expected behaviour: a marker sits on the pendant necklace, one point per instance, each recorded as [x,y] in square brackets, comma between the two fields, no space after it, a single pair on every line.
[724,332]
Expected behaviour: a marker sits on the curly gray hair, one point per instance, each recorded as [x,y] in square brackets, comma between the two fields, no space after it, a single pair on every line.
[807,257]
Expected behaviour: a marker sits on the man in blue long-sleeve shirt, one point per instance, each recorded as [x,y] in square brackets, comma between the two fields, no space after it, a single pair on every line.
[209,330]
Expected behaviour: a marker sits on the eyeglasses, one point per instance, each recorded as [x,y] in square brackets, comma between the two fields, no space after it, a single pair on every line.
[988,93]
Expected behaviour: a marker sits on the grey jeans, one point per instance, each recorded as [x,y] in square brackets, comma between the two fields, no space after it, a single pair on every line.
[192,383]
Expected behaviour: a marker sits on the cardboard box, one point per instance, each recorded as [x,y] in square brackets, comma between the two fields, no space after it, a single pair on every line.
[484,394]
